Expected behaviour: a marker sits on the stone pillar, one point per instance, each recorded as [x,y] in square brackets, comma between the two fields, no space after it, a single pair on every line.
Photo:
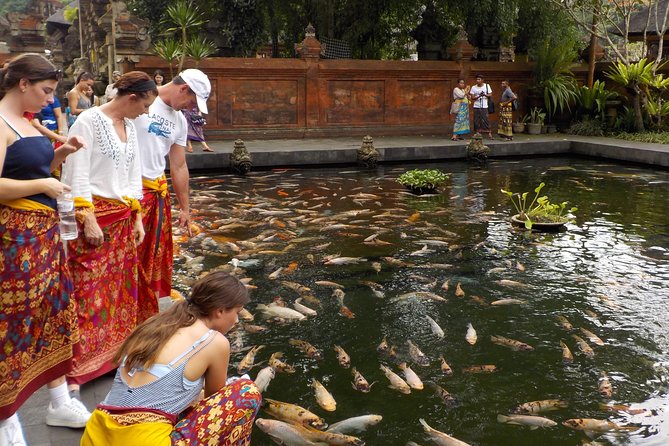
[310,51]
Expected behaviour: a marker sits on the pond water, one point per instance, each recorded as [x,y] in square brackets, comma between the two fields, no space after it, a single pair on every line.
[608,273]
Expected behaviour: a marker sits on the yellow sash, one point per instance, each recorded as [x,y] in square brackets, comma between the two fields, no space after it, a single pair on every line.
[26,205]
[159,185]
[103,430]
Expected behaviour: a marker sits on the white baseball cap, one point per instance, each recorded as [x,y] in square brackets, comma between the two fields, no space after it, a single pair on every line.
[199,83]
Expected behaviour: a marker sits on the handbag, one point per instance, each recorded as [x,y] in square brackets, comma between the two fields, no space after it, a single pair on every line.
[197,120]
[491,103]
[514,105]
[454,108]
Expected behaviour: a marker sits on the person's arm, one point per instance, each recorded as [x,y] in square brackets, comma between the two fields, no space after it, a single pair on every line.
[46,132]
[180,177]
[70,146]
[217,371]
[61,120]
[11,189]
[73,102]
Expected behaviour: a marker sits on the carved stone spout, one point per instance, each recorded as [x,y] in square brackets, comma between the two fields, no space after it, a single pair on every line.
[477,151]
[240,158]
[368,156]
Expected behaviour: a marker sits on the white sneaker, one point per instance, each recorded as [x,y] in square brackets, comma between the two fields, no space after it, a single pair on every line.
[11,433]
[72,414]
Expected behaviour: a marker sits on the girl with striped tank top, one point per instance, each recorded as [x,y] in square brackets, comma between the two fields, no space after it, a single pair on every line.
[163,366]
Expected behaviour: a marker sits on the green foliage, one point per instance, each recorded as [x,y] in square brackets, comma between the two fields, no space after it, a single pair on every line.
[650,137]
[592,101]
[632,75]
[625,121]
[552,74]
[13,6]
[587,127]
[542,21]
[422,178]
[199,48]
[540,209]
[168,49]
[537,116]
[71,14]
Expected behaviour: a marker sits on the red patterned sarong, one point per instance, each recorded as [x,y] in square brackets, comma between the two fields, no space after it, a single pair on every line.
[225,418]
[105,284]
[38,318]
[155,253]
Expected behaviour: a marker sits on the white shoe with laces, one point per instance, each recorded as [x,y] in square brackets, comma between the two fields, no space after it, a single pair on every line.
[71,414]
[11,433]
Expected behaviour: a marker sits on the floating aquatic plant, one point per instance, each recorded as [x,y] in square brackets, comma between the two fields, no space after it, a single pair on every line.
[540,209]
[422,179]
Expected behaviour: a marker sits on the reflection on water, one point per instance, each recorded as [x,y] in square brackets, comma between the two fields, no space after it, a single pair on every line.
[609,274]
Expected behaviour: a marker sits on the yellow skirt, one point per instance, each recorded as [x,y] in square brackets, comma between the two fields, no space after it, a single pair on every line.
[103,429]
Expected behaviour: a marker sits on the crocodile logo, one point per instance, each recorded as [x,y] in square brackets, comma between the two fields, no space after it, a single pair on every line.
[154,127]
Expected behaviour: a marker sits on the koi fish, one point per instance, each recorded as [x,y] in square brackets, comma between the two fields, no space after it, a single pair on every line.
[307,348]
[584,347]
[355,424]
[293,413]
[359,382]
[247,362]
[411,377]
[445,368]
[436,329]
[605,388]
[323,397]
[564,323]
[303,309]
[592,337]
[508,302]
[511,343]
[396,383]
[264,377]
[440,438]
[593,427]
[277,364]
[459,292]
[417,355]
[532,421]
[442,393]
[540,406]
[485,368]
[567,356]
[343,357]
[471,334]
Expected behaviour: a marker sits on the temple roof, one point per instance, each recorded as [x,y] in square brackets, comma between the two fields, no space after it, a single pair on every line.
[639,19]
[58,17]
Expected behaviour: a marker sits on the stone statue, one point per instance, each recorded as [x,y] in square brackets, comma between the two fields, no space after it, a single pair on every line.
[240,158]
[477,151]
[368,156]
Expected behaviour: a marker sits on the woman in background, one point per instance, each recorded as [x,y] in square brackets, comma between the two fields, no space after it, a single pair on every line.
[165,364]
[196,123]
[79,99]
[159,77]
[460,109]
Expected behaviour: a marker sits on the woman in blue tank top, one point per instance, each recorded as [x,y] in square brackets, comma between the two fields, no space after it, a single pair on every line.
[40,330]
[163,366]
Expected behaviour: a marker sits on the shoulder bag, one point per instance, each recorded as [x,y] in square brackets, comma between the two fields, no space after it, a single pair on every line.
[491,103]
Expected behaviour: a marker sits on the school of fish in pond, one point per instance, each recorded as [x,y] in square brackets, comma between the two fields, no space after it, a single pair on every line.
[310,251]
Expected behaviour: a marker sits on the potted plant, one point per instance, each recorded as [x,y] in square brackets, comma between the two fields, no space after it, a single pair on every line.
[421,181]
[537,117]
[519,125]
[539,214]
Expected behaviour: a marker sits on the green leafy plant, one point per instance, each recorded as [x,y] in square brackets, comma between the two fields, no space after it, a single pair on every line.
[524,119]
[587,127]
[169,50]
[634,77]
[592,101]
[537,116]
[540,209]
[422,179]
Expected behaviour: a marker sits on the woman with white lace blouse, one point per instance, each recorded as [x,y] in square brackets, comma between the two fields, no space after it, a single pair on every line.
[106,184]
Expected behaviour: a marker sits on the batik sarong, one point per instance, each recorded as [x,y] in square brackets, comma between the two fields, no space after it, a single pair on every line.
[155,253]
[505,120]
[481,121]
[105,284]
[38,316]
[461,125]
[225,419]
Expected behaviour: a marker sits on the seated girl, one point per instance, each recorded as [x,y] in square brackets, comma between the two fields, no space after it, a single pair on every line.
[163,366]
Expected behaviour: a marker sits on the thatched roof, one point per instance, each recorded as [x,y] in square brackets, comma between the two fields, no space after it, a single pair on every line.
[639,19]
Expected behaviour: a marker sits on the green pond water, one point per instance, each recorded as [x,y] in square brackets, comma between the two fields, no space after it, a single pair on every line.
[608,273]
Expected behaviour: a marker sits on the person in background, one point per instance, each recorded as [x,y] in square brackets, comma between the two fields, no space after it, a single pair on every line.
[39,334]
[196,123]
[106,183]
[479,94]
[460,108]
[505,129]
[79,98]
[110,91]
[159,77]
[162,132]
[165,364]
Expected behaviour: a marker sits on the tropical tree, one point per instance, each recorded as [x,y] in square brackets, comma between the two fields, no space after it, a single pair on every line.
[185,18]
[168,49]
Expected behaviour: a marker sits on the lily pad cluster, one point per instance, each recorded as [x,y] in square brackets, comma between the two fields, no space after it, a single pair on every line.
[423,179]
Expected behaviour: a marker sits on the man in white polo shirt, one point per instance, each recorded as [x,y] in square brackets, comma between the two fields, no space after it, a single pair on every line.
[162,132]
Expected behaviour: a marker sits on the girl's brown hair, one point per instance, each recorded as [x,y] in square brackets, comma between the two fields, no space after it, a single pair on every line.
[215,291]
[136,82]
[33,67]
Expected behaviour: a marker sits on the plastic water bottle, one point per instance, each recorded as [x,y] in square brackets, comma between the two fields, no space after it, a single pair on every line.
[68,221]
